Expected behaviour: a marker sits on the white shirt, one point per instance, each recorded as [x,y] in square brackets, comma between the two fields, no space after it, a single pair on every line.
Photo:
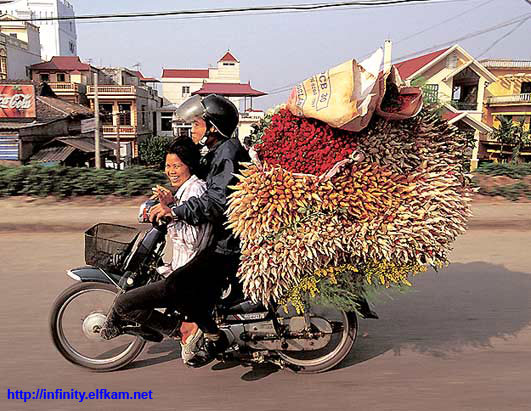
[188,240]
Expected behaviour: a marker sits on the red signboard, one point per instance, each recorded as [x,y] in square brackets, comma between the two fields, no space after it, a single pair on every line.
[17,101]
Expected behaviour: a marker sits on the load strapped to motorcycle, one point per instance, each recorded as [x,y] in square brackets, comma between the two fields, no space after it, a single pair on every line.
[353,186]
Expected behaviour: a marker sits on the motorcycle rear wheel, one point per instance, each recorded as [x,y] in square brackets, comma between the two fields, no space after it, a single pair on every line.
[68,336]
[313,362]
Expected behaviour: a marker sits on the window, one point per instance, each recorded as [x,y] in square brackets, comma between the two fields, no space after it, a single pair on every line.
[72,47]
[183,130]
[106,111]
[165,120]
[431,93]
[125,114]
[228,64]
[3,64]
[185,91]
[45,77]
[456,93]
[143,116]
[13,35]
[61,77]
[526,87]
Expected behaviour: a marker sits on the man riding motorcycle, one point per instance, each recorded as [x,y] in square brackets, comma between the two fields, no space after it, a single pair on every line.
[214,119]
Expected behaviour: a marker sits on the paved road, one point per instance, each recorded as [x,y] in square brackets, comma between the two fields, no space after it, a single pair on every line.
[461,340]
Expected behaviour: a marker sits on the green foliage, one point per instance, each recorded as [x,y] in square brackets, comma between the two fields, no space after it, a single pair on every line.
[41,181]
[152,151]
[257,129]
[513,135]
[348,289]
[509,170]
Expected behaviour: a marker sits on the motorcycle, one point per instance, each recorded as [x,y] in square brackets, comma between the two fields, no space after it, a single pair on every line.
[119,258]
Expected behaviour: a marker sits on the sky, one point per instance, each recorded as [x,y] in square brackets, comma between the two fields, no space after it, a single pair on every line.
[279,50]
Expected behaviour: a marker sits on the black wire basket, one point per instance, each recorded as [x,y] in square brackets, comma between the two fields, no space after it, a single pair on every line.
[107,245]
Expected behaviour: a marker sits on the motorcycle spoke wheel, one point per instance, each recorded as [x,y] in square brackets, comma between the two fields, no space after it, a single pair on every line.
[76,324]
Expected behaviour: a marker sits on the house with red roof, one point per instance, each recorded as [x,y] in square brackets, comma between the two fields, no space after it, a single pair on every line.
[456,80]
[223,79]
[127,101]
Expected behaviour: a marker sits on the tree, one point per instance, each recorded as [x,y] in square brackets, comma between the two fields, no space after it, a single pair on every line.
[511,134]
[152,151]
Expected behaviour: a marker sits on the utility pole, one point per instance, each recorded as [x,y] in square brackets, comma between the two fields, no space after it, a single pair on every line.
[118,140]
[97,121]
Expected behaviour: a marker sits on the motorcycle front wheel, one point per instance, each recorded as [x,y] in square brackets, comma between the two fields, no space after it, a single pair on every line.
[76,319]
[345,329]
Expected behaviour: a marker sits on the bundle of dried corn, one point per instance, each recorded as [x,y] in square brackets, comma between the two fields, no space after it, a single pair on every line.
[401,206]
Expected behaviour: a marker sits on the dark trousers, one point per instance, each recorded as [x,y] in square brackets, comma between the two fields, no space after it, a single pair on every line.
[192,289]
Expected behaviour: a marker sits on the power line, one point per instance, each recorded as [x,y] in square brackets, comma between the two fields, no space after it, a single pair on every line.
[470,35]
[173,18]
[291,7]
[504,36]
[518,20]
[443,22]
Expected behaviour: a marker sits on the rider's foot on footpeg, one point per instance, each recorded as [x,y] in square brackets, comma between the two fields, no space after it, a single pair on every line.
[210,351]
[109,330]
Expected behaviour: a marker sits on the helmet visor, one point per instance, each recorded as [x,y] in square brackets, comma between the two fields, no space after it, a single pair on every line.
[189,110]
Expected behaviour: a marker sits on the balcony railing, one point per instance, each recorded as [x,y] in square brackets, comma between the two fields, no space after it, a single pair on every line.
[493,63]
[123,129]
[515,98]
[117,90]
[461,105]
[64,86]
[113,89]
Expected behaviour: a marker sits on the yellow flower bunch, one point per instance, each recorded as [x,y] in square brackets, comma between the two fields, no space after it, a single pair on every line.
[331,272]
[387,272]
[308,285]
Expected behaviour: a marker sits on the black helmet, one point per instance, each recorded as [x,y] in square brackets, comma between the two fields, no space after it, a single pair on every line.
[217,110]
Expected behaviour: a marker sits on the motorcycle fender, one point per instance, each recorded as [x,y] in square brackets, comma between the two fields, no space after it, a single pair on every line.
[90,273]
[364,310]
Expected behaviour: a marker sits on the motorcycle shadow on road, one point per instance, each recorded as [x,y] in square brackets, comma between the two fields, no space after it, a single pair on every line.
[462,306]
[170,350]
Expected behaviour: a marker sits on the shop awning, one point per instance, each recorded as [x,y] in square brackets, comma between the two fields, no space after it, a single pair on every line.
[60,148]
[50,154]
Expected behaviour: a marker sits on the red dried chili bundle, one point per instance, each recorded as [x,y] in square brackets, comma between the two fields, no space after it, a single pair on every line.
[303,145]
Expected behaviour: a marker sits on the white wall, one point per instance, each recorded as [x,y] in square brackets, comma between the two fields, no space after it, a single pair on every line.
[172,88]
[55,36]
[19,57]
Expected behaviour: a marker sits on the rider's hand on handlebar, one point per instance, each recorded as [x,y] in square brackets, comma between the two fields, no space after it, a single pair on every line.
[159,212]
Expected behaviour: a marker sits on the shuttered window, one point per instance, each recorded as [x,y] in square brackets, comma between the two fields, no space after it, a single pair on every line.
[9,148]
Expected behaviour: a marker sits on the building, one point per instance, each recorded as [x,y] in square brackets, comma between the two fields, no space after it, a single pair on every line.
[508,96]
[224,79]
[68,76]
[129,107]
[454,79]
[19,48]
[58,38]
[120,90]
[35,125]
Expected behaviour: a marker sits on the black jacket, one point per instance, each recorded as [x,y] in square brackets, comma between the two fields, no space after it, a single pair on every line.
[222,162]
